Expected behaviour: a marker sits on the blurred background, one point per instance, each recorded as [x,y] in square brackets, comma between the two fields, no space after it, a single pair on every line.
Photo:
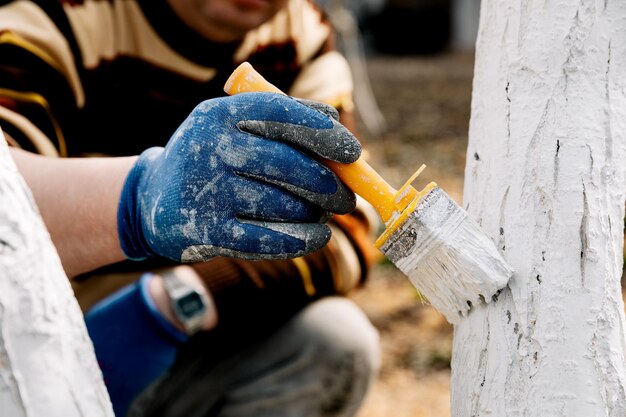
[413,63]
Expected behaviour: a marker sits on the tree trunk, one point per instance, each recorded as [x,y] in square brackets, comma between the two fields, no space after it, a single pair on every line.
[47,363]
[545,178]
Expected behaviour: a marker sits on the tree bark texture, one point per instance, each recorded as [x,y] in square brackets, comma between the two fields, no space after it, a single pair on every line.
[545,178]
[47,362]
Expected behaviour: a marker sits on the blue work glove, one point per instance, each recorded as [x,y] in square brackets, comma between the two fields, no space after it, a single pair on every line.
[239,179]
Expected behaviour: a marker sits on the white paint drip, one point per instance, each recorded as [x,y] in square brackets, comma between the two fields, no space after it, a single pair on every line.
[153,212]
[189,229]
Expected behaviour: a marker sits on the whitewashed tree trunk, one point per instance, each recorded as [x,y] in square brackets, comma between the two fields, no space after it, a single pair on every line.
[48,366]
[545,178]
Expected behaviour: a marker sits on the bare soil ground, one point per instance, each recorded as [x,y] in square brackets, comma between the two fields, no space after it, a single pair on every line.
[426,103]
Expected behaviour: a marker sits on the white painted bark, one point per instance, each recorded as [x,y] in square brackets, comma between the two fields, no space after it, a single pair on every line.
[47,363]
[545,178]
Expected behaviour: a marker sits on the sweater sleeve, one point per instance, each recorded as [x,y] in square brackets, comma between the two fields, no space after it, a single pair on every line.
[134,344]
[39,82]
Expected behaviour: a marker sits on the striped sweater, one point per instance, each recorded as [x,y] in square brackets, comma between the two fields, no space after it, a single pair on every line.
[115,77]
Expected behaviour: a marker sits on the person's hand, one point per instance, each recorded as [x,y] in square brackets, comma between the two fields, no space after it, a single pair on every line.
[237,179]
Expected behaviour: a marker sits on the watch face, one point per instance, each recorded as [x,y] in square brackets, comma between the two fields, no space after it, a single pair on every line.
[190,305]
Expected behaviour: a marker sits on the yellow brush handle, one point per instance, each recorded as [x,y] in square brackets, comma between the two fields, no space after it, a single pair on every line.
[245,79]
[359,176]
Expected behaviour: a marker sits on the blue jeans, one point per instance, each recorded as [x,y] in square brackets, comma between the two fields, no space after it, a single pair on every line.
[320,363]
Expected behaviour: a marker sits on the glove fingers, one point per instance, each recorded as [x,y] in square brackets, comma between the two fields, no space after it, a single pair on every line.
[310,128]
[263,201]
[335,143]
[277,239]
[342,201]
[280,164]
[319,106]
[265,240]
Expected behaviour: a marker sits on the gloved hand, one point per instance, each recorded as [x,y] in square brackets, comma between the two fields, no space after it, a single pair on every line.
[237,179]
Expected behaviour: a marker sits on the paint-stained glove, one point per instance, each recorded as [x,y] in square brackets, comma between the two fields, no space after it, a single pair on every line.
[237,179]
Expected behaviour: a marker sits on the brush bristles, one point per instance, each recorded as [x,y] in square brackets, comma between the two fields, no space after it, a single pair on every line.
[447,257]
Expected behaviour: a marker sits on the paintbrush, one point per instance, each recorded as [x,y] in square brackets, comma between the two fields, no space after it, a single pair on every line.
[428,236]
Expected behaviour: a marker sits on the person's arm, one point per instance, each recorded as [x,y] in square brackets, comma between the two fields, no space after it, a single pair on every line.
[236,179]
[136,335]
[135,352]
[78,200]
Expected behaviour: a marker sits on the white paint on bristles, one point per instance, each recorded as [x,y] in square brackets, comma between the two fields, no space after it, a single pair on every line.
[447,257]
